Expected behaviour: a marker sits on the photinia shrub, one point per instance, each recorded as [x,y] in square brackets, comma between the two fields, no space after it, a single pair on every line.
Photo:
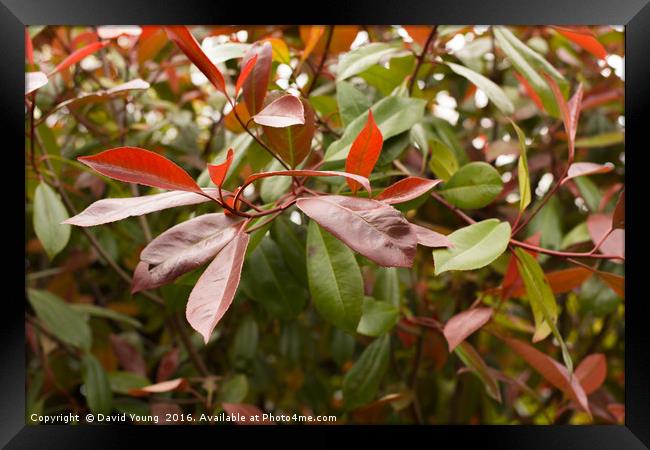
[388,209]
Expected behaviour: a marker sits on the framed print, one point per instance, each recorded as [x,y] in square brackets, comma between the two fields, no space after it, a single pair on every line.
[387,218]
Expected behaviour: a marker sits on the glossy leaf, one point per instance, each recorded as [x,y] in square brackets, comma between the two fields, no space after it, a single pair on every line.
[281,113]
[618,218]
[60,318]
[362,58]
[474,185]
[552,371]
[491,89]
[291,239]
[292,143]
[570,111]
[310,173]
[443,161]
[137,165]
[215,289]
[592,372]
[462,325]
[361,383]
[218,172]
[393,116]
[34,81]
[378,317]
[245,72]
[256,84]
[585,38]
[364,152]
[188,44]
[474,246]
[471,358]
[586,168]
[406,189]
[599,225]
[522,170]
[49,220]
[335,279]
[560,281]
[376,230]
[77,56]
[114,209]
[430,238]
[98,390]
[184,247]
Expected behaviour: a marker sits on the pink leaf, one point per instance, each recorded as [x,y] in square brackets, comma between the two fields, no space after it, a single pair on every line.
[177,384]
[114,31]
[283,112]
[129,357]
[376,230]
[34,81]
[430,238]
[113,209]
[168,364]
[586,168]
[570,111]
[215,289]
[592,372]
[245,72]
[599,225]
[459,327]
[257,82]
[406,189]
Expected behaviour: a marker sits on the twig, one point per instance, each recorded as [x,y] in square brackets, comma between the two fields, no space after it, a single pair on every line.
[322,60]
[187,342]
[420,59]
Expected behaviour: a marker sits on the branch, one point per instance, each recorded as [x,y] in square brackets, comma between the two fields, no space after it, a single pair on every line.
[421,58]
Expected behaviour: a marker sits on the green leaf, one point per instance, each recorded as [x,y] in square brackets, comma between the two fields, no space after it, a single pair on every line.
[361,383]
[341,346]
[528,63]
[233,389]
[352,102]
[335,280]
[292,242]
[596,298]
[97,387]
[105,313]
[61,319]
[474,185]
[386,79]
[358,60]
[122,382]
[589,191]
[272,188]
[378,317]
[475,246]
[272,283]
[393,116]
[244,346]
[522,170]
[548,222]
[386,287]
[542,301]
[443,161]
[491,89]
[49,212]
[578,234]
[470,357]
[601,140]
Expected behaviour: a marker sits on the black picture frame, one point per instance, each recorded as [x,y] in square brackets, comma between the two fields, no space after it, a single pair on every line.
[634,14]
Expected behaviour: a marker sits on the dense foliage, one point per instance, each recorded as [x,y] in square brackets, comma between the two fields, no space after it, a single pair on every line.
[418,224]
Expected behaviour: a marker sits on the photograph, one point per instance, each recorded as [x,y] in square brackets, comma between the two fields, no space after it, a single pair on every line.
[329,224]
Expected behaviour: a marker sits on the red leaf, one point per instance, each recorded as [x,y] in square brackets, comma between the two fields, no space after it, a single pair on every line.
[137,165]
[255,86]
[459,327]
[586,168]
[283,112]
[406,189]
[29,48]
[218,172]
[592,372]
[376,230]
[34,81]
[310,173]
[552,371]
[615,282]
[182,37]
[570,111]
[618,218]
[599,225]
[182,248]
[530,91]
[243,75]
[168,364]
[364,151]
[245,414]
[113,209]
[178,384]
[129,357]
[561,281]
[430,238]
[292,143]
[585,38]
[215,289]
[78,55]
